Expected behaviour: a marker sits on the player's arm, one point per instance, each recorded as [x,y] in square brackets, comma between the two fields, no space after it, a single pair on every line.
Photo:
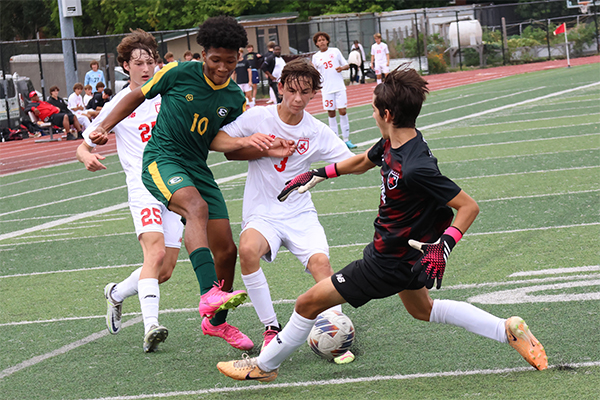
[225,143]
[432,264]
[90,160]
[357,164]
[126,106]
[388,59]
[250,76]
[280,149]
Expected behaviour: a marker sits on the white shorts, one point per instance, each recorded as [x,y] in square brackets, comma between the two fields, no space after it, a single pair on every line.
[150,215]
[336,100]
[381,68]
[302,235]
[246,87]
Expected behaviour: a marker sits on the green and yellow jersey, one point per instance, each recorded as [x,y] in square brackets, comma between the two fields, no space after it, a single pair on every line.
[193,109]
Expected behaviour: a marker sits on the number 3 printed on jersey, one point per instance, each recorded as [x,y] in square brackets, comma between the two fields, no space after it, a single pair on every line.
[328,64]
[151,216]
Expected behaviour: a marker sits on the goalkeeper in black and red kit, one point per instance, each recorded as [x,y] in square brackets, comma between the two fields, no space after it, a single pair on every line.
[415,231]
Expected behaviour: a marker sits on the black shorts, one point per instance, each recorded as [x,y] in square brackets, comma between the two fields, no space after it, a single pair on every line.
[57,119]
[367,279]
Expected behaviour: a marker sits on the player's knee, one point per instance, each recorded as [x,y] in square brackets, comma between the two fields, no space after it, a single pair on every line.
[306,306]
[164,275]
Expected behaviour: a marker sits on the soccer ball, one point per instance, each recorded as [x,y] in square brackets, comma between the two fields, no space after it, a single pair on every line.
[332,335]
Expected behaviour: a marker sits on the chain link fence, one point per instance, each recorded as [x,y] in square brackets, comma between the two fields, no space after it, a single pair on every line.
[434,40]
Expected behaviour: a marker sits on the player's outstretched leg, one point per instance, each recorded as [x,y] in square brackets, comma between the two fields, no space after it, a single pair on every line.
[154,337]
[521,338]
[229,333]
[246,369]
[216,300]
[113,310]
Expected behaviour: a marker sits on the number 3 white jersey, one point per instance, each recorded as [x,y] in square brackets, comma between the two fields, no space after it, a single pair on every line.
[267,176]
[326,62]
[132,134]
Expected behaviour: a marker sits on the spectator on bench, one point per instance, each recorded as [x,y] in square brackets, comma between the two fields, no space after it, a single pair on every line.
[47,112]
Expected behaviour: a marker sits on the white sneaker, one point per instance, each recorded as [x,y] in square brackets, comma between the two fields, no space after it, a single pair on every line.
[113,310]
[154,337]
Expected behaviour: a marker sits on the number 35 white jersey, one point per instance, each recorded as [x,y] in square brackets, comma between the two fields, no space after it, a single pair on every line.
[326,63]
[267,176]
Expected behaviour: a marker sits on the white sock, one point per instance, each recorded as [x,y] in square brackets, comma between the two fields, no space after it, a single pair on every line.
[333,124]
[378,81]
[272,96]
[287,341]
[469,317]
[128,287]
[345,125]
[260,295]
[149,295]
[337,308]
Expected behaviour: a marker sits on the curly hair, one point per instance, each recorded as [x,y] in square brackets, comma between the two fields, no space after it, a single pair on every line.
[137,40]
[221,31]
[317,35]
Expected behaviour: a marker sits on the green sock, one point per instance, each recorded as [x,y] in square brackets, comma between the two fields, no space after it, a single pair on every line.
[204,267]
[219,318]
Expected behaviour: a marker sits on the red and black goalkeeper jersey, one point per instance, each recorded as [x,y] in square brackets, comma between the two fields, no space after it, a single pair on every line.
[414,194]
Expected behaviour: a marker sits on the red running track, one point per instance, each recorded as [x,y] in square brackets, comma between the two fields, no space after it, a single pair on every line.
[23,155]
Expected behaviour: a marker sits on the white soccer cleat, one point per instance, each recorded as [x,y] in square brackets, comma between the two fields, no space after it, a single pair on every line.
[113,310]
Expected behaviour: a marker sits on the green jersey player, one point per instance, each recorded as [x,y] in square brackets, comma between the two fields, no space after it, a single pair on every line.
[197,99]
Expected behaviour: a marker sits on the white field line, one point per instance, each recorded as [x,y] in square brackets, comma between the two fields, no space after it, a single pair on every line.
[60,185]
[556,271]
[61,201]
[533,120]
[346,381]
[45,176]
[482,101]
[122,205]
[471,135]
[516,142]
[467,286]
[492,110]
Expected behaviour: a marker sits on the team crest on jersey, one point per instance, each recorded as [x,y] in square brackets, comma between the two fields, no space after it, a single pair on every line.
[157,107]
[189,97]
[175,180]
[222,112]
[132,115]
[302,146]
[392,179]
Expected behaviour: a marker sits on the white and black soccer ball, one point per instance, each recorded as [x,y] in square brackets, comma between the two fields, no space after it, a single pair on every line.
[332,335]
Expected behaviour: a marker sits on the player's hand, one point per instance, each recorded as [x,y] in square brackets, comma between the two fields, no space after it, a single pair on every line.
[303,182]
[92,162]
[99,136]
[282,148]
[259,140]
[432,264]
[338,69]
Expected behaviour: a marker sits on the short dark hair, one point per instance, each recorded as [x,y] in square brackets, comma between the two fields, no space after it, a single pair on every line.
[222,31]
[99,85]
[108,92]
[53,88]
[301,68]
[196,56]
[137,39]
[78,85]
[319,34]
[402,92]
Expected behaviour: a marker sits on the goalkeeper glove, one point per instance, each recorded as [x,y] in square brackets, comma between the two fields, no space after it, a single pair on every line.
[308,180]
[432,264]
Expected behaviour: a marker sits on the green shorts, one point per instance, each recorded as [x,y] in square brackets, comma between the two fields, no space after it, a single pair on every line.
[163,177]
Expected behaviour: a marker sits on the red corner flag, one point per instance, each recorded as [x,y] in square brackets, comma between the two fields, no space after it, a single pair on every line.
[561,29]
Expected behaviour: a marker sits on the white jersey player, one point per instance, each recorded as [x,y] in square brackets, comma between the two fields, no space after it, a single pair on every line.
[330,63]
[158,229]
[267,222]
[380,57]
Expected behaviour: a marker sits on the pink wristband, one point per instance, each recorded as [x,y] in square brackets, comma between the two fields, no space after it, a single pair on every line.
[455,233]
[330,171]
